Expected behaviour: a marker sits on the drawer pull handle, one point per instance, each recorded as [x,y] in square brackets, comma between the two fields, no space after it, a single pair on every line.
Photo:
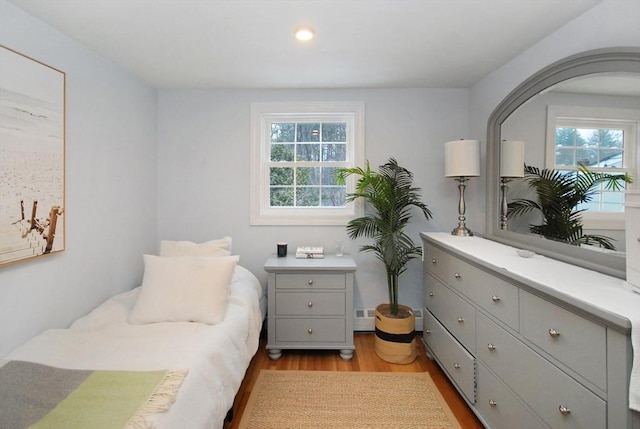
[456,365]
[432,294]
[492,403]
[554,333]
[495,298]
[310,304]
[564,410]
[457,275]
[434,261]
[310,282]
[428,331]
[491,346]
[310,331]
[460,320]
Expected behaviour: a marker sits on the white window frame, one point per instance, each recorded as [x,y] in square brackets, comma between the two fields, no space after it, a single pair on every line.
[262,114]
[598,117]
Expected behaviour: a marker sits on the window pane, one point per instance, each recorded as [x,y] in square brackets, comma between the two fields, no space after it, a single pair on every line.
[308,132]
[568,137]
[613,201]
[280,176]
[334,152]
[611,158]
[334,132]
[307,196]
[283,132]
[565,156]
[281,197]
[308,152]
[307,176]
[282,152]
[586,156]
[334,196]
[329,175]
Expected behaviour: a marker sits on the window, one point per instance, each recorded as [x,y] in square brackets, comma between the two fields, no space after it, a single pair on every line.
[295,151]
[603,139]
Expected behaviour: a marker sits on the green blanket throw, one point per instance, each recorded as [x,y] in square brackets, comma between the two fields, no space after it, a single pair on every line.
[42,397]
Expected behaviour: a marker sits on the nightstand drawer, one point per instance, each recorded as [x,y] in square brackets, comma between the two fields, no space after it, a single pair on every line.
[452,311]
[310,304]
[453,357]
[575,341]
[310,281]
[552,392]
[310,330]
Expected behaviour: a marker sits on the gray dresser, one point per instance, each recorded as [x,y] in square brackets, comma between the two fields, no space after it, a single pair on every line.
[529,343]
[310,304]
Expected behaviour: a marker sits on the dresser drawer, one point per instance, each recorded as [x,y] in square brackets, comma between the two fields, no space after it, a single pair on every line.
[540,384]
[310,304]
[435,261]
[577,342]
[499,406]
[310,330]
[310,281]
[453,312]
[454,359]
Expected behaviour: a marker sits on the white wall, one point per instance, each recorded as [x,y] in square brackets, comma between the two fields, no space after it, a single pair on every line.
[203,171]
[110,187]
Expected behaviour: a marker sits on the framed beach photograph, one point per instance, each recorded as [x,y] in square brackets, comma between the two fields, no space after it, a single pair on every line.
[32,158]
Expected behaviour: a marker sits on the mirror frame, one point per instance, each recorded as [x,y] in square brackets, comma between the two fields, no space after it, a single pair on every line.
[607,60]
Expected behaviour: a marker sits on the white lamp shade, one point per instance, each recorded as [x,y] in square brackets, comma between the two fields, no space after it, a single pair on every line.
[462,158]
[512,158]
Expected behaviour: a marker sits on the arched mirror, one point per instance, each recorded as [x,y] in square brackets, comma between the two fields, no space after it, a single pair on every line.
[580,82]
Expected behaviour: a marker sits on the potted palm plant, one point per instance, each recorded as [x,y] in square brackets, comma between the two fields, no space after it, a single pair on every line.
[558,195]
[389,197]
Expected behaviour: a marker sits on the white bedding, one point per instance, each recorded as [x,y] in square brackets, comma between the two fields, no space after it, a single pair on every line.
[216,356]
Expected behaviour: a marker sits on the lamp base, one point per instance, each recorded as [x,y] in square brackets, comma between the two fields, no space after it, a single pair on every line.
[462,231]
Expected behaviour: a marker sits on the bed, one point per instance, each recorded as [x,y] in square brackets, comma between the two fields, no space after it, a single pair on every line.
[122,335]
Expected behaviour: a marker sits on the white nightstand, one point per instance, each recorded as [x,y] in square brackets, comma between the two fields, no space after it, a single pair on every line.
[310,304]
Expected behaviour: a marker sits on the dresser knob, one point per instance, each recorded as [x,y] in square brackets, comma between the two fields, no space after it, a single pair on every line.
[434,261]
[427,331]
[495,298]
[491,346]
[457,275]
[432,294]
[564,410]
[460,320]
[492,403]
[310,331]
[310,304]
[554,333]
[456,365]
[310,282]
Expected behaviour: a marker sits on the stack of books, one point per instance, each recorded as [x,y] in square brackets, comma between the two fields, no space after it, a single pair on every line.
[310,252]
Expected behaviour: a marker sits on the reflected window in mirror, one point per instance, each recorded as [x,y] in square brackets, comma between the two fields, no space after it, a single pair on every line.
[602,139]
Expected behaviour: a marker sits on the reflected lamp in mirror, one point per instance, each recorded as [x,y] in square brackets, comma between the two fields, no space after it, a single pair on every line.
[461,161]
[511,167]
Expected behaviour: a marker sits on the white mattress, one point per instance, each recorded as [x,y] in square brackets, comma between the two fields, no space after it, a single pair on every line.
[216,356]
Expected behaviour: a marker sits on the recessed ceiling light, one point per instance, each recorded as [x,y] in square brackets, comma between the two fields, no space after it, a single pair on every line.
[304,33]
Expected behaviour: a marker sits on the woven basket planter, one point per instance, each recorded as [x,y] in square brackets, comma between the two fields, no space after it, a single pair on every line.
[394,335]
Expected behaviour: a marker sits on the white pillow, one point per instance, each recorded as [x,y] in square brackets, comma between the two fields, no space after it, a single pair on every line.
[184,289]
[219,247]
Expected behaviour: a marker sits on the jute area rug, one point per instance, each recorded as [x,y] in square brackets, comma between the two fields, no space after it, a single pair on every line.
[346,400]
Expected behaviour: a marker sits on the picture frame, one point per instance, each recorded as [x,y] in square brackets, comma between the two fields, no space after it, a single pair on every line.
[32,157]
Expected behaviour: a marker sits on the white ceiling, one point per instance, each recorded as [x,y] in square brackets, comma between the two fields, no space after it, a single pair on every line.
[358,43]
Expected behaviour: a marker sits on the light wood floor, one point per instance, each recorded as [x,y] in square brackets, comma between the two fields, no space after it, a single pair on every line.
[364,359]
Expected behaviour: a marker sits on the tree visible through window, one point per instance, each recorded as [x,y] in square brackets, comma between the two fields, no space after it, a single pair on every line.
[303,159]
[296,149]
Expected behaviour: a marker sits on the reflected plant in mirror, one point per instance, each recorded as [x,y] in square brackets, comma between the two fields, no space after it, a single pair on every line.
[559,196]
[593,94]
